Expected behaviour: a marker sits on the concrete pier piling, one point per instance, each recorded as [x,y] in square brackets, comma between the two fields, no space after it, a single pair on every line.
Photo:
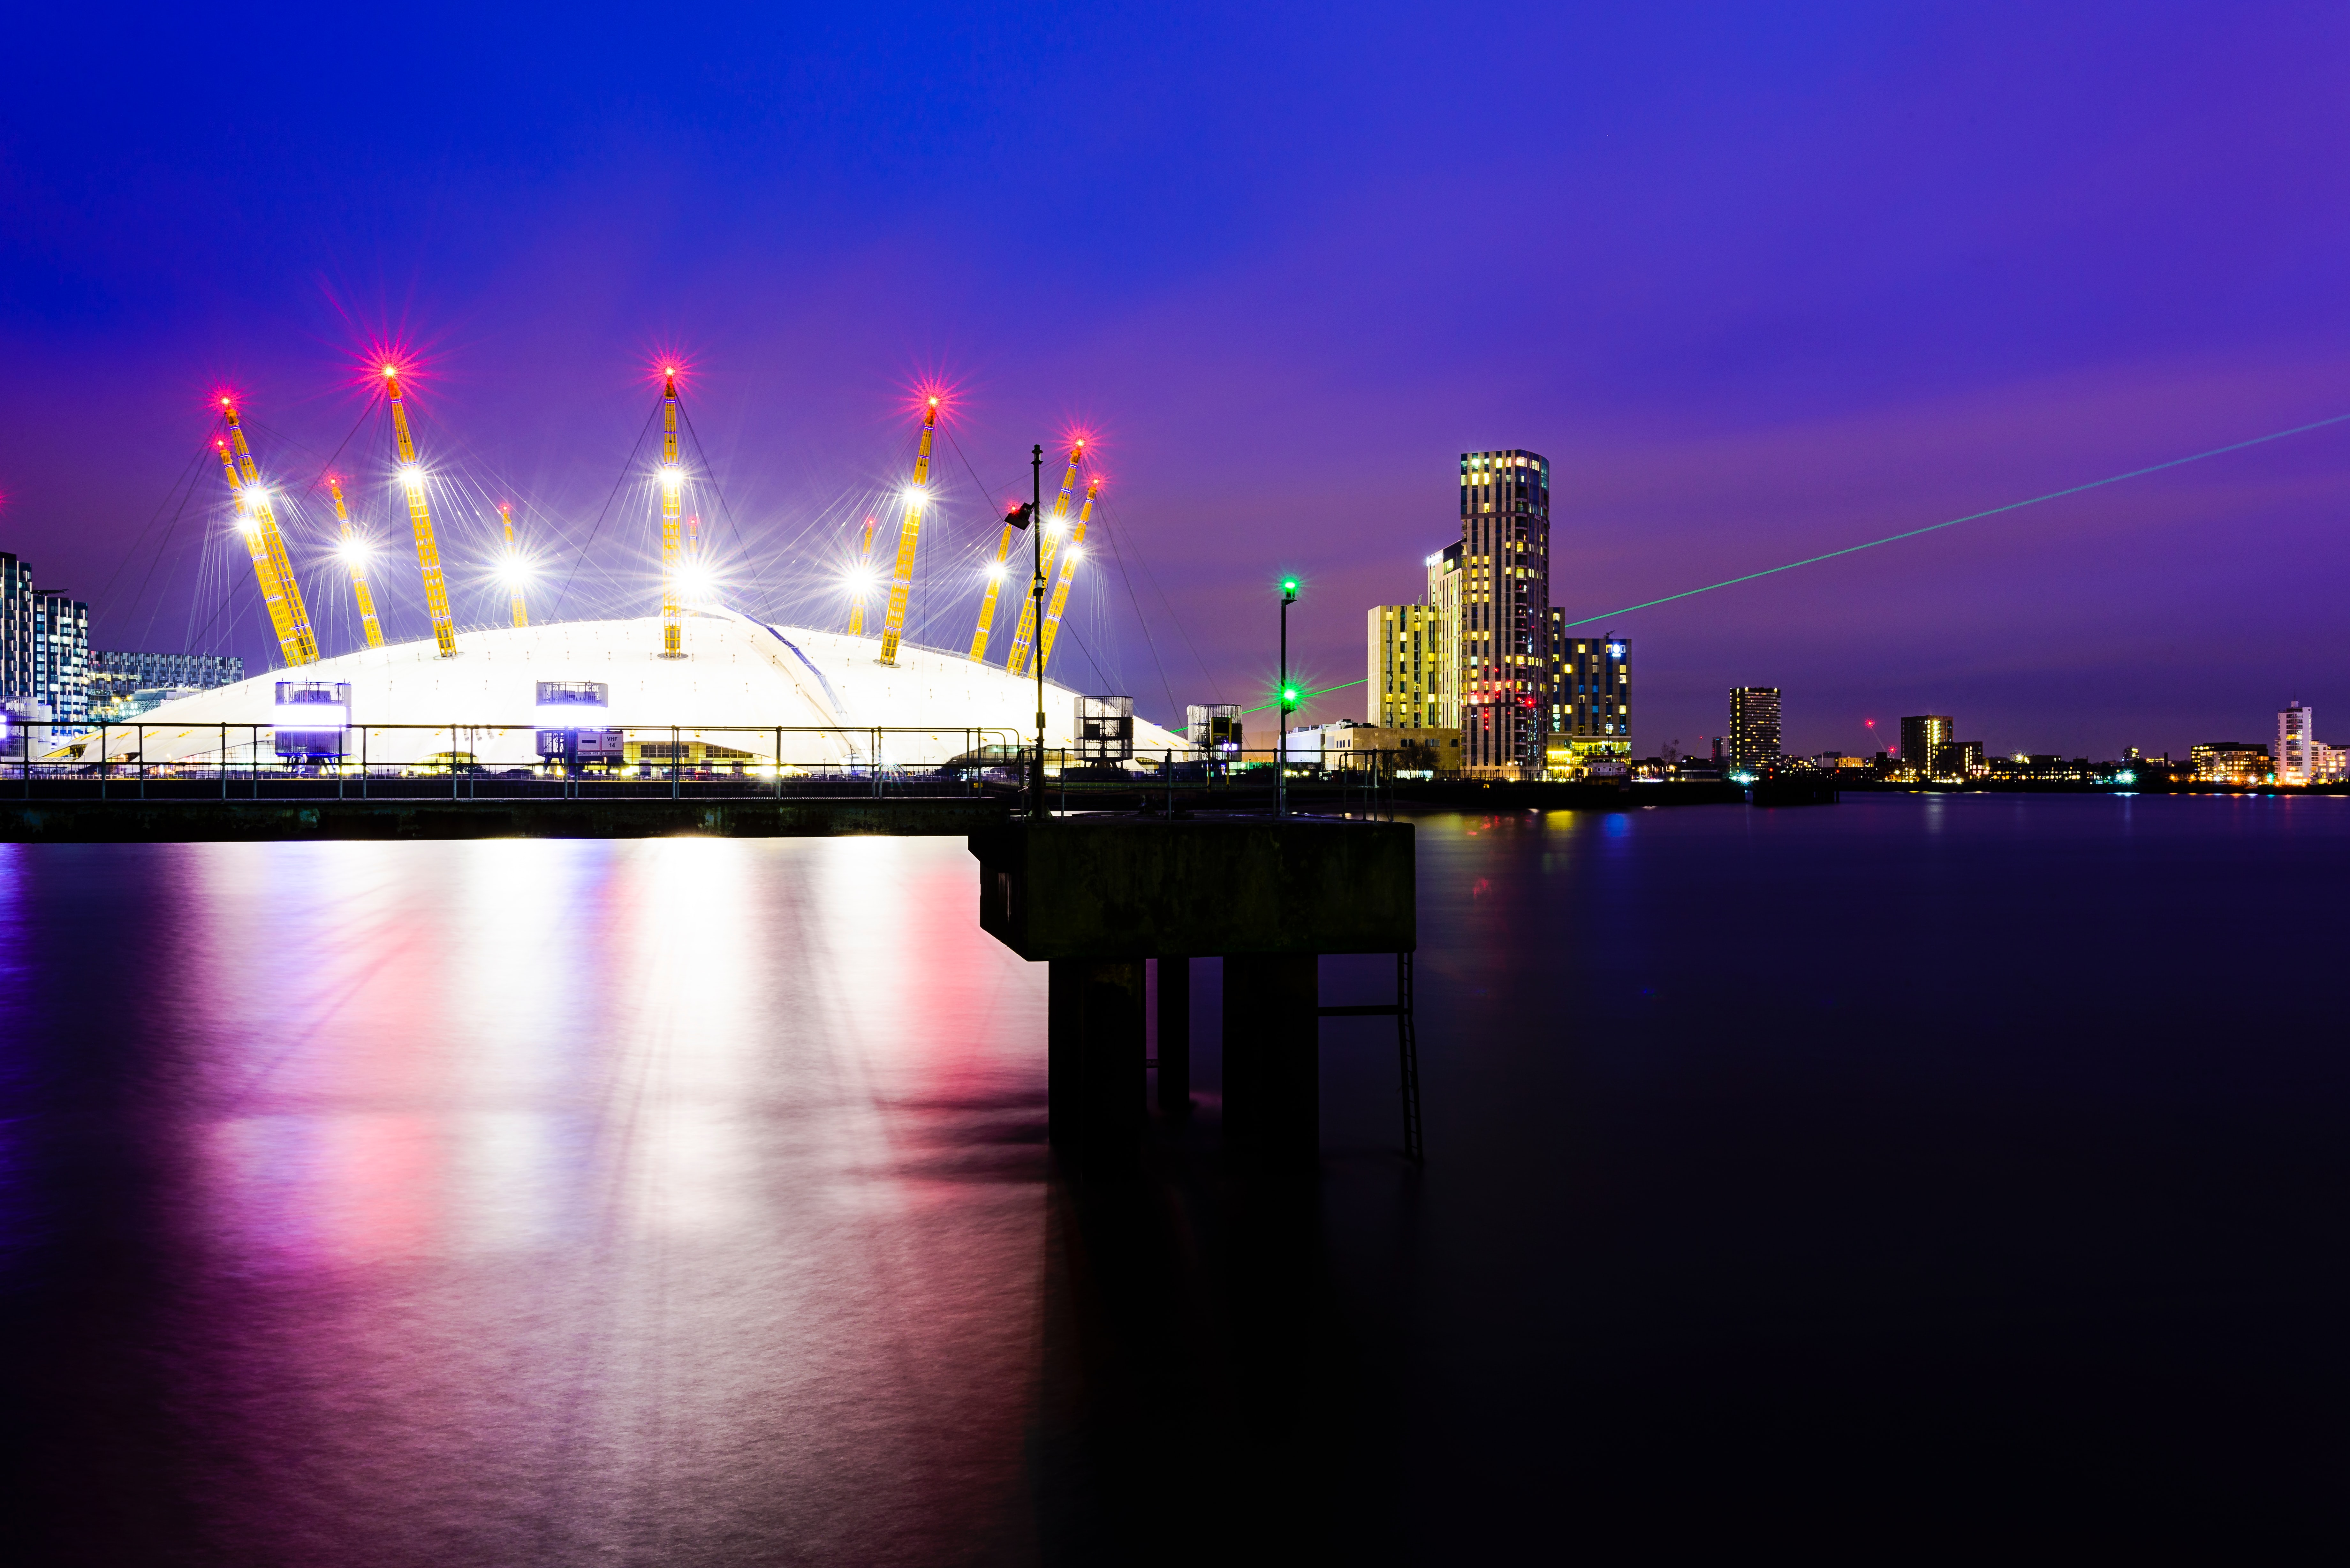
[1174,1033]
[1095,897]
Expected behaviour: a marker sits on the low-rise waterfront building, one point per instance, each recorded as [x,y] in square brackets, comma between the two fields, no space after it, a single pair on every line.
[1959,760]
[2239,763]
[1586,756]
[122,685]
[1348,745]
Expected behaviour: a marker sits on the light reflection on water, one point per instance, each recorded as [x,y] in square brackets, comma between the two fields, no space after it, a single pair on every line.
[566,1199]
[684,1202]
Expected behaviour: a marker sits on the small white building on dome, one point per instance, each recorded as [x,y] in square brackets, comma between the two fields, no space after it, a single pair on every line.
[826,690]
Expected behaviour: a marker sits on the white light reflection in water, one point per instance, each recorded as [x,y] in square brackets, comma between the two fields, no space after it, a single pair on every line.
[579,1188]
[688,951]
[526,953]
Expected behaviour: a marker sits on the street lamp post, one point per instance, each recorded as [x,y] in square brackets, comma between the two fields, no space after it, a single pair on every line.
[1036,591]
[1285,704]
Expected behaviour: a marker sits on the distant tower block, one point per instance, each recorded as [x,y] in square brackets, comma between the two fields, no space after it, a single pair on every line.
[1923,736]
[2297,745]
[1755,726]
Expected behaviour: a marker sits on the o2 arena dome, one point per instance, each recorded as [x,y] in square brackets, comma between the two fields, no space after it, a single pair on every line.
[699,682]
[837,704]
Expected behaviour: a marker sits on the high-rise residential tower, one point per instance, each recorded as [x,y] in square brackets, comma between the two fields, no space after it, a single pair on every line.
[2296,745]
[1504,674]
[61,656]
[44,645]
[15,626]
[1753,726]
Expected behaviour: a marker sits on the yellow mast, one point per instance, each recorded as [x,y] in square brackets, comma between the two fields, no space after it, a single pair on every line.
[987,601]
[514,564]
[1069,571]
[901,580]
[287,616]
[262,572]
[1052,527]
[864,576]
[672,478]
[357,564]
[420,521]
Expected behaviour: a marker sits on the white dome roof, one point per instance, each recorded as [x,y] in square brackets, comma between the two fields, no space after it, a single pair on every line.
[736,672]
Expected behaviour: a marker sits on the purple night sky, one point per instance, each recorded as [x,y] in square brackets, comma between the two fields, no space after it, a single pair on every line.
[1761,281]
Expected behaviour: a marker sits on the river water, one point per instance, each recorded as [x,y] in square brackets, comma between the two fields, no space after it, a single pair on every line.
[1953,1170]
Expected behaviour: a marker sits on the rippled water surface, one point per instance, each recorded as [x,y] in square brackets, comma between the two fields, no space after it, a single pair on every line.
[1977,1162]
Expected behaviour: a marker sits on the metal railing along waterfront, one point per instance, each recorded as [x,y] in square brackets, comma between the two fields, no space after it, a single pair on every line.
[394,762]
[448,762]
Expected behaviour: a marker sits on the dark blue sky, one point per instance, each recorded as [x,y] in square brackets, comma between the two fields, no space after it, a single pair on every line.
[1761,281]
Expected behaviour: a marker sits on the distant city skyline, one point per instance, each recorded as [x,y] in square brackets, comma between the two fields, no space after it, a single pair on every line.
[1765,287]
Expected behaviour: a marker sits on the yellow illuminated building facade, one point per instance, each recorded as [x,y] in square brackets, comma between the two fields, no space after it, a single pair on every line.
[1590,698]
[1406,673]
[1444,605]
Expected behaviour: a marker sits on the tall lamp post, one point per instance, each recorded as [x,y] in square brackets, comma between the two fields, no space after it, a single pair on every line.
[1036,591]
[1287,705]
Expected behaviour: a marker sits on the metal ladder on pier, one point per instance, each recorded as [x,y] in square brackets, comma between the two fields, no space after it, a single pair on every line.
[1407,1051]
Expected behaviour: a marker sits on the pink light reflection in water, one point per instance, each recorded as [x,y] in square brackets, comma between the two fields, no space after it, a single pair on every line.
[678,1201]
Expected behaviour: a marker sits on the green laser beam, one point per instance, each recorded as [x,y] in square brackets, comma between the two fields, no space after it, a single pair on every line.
[1969,517]
[1306,697]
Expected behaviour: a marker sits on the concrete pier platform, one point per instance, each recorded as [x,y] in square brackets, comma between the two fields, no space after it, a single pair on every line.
[1096,898]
